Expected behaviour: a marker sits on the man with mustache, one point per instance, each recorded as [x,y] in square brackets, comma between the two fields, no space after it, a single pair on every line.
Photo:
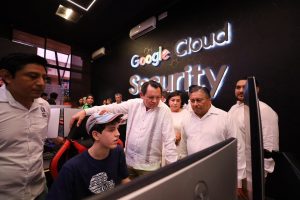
[23,126]
[205,125]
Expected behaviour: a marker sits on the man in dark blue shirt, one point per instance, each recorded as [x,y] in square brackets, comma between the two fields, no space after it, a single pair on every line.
[100,168]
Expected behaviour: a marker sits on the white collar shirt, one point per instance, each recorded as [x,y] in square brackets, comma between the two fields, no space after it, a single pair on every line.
[270,130]
[124,117]
[200,133]
[22,134]
[146,131]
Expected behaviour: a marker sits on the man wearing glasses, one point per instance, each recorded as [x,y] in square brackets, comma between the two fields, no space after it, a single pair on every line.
[149,127]
[205,125]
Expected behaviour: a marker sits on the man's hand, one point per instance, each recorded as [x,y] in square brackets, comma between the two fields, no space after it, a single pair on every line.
[177,138]
[102,112]
[78,116]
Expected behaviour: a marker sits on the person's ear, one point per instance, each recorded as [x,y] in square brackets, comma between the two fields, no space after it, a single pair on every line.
[141,95]
[257,90]
[96,135]
[6,75]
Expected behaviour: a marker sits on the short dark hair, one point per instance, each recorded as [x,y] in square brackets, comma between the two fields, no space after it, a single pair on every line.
[191,87]
[16,61]
[152,84]
[118,94]
[246,79]
[100,127]
[53,95]
[44,94]
[173,94]
[204,89]
[89,95]
[165,94]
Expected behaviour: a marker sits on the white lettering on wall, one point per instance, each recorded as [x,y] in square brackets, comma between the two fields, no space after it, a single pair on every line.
[192,74]
[153,59]
[182,80]
[191,45]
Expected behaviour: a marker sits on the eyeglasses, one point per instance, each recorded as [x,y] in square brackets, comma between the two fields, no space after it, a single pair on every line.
[198,100]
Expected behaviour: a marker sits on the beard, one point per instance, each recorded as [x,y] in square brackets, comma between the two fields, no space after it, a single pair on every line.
[240,97]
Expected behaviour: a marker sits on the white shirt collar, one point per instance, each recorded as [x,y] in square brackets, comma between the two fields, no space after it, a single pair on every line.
[211,111]
[6,96]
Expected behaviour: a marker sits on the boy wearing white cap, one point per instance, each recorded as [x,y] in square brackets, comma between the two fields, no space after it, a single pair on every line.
[99,168]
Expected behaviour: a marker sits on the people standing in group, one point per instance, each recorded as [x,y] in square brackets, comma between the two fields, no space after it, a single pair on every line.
[270,131]
[164,96]
[80,103]
[23,126]
[205,125]
[88,102]
[52,99]
[123,123]
[149,125]
[67,101]
[84,100]
[118,98]
[108,101]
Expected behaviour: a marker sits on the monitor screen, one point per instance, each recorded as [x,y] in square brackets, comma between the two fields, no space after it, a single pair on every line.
[60,117]
[53,124]
[254,143]
[68,113]
[208,174]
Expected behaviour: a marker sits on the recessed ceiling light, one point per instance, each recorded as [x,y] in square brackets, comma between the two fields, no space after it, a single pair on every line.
[83,4]
[67,13]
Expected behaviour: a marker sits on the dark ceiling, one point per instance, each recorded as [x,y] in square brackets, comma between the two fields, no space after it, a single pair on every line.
[103,23]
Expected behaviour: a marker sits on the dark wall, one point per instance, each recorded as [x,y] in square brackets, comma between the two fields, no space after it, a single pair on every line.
[264,40]
[7,47]
[80,83]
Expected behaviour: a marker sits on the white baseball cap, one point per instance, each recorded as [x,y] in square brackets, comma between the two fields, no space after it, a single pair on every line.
[100,119]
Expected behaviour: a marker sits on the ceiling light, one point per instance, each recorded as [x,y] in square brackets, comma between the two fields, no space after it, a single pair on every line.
[83,4]
[67,13]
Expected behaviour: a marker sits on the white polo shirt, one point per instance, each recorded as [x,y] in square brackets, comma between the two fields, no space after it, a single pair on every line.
[22,134]
[200,133]
[146,131]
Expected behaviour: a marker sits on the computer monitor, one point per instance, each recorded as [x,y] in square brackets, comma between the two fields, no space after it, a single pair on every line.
[60,117]
[53,124]
[208,174]
[68,113]
[254,143]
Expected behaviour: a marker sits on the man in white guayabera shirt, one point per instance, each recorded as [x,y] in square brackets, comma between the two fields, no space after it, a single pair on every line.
[270,131]
[149,125]
[205,125]
[23,126]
